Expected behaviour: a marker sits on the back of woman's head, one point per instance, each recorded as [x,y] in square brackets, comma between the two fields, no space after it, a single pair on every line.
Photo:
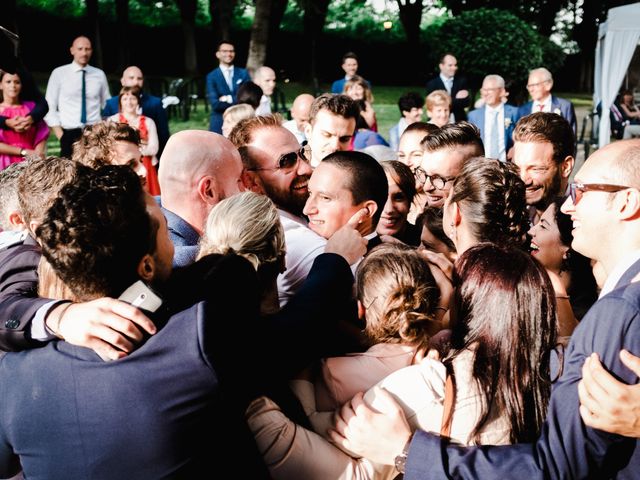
[247,224]
[400,295]
[491,197]
[504,310]
[583,289]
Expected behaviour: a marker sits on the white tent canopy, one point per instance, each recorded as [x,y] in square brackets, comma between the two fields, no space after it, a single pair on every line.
[617,40]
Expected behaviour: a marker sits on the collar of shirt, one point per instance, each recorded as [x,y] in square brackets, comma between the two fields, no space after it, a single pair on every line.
[493,110]
[615,275]
[293,217]
[546,103]
[77,67]
[446,79]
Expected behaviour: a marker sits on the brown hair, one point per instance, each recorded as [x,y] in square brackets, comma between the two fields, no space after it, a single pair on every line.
[402,176]
[358,80]
[400,295]
[546,127]
[340,105]
[133,90]
[242,134]
[95,148]
[454,135]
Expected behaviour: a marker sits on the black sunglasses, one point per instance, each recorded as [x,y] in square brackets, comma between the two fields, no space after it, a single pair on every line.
[289,161]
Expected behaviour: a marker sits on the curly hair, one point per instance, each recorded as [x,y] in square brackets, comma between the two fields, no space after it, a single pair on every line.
[491,198]
[97,231]
[400,295]
[95,148]
[247,224]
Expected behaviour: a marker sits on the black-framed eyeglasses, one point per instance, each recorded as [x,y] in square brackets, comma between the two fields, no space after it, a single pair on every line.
[436,180]
[289,161]
[577,189]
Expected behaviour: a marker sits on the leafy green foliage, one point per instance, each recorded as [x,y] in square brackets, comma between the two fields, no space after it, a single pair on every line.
[493,41]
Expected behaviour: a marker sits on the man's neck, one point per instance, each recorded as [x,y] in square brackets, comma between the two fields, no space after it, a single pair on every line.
[495,106]
[226,65]
[543,100]
[80,65]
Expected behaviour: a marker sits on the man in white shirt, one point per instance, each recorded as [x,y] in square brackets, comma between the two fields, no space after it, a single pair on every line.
[265,78]
[539,86]
[495,120]
[300,111]
[76,94]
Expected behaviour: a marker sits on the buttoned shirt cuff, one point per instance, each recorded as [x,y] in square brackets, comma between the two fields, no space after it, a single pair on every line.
[39,330]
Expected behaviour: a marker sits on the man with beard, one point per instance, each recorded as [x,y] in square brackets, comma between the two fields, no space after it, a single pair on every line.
[277,166]
[543,152]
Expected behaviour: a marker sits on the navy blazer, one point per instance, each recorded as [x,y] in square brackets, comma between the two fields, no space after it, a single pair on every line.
[558,105]
[152,108]
[566,447]
[183,236]
[217,87]
[459,104]
[510,119]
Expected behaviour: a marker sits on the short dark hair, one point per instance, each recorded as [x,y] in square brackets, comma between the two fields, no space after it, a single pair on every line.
[366,178]
[491,197]
[96,146]
[410,100]
[423,127]
[348,55]
[547,127]
[446,54]
[454,135]
[40,183]
[223,42]
[340,105]
[402,176]
[97,231]
[431,219]
[249,93]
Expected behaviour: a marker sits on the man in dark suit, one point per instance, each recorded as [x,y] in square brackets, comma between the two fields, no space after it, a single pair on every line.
[495,119]
[223,83]
[539,85]
[150,104]
[455,85]
[605,208]
[350,67]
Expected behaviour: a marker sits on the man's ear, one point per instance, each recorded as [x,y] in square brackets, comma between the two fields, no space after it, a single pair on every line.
[207,189]
[16,220]
[566,166]
[629,206]
[250,181]
[146,268]
[457,218]
[371,206]
[362,311]
[307,130]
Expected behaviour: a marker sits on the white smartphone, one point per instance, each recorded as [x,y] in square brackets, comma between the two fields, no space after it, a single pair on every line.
[141,296]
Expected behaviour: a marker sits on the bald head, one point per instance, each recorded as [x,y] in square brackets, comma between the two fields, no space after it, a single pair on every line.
[265,78]
[300,110]
[132,77]
[197,170]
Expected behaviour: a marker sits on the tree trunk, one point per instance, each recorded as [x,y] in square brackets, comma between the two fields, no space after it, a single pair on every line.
[94,27]
[278,7]
[315,14]
[122,22]
[10,16]
[259,36]
[410,17]
[221,13]
[188,9]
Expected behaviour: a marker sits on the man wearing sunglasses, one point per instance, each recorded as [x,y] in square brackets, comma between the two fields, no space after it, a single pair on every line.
[543,152]
[445,152]
[605,209]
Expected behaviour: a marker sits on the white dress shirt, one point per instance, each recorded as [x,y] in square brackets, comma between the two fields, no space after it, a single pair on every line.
[489,113]
[546,105]
[265,106]
[64,95]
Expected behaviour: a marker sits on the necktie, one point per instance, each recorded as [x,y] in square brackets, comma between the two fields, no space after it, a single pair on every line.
[495,138]
[83,107]
[449,85]
[540,107]
[229,79]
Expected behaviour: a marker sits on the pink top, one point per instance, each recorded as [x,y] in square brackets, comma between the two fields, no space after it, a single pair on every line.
[343,377]
[29,139]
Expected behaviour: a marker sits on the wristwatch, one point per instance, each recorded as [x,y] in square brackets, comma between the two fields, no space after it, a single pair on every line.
[23,152]
[401,460]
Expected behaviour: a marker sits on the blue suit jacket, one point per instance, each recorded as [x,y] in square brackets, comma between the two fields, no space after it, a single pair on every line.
[565,107]
[152,108]
[217,87]
[184,238]
[510,116]
[566,448]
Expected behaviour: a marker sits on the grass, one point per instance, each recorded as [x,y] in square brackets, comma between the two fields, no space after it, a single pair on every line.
[385,106]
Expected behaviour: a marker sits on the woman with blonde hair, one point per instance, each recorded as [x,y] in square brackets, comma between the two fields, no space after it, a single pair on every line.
[232,116]
[438,105]
[358,89]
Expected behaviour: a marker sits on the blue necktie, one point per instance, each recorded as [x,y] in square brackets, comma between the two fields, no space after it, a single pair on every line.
[83,107]
[495,139]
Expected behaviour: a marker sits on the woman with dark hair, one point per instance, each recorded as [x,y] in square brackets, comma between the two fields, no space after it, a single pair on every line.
[570,272]
[486,204]
[433,237]
[249,93]
[492,387]
[402,188]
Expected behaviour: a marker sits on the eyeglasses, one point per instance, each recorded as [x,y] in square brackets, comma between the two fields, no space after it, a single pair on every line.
[289,161]
[531,85]
[576,190]
[436,180]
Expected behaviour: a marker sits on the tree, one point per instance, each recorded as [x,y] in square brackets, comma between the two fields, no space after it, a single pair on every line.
[221,13]
[259,36]
[94,27]
[410,17]
[315,14]
[188,9]
[122,27]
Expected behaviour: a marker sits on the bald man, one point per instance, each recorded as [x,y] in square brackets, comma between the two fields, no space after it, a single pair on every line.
[151,105]
[198,169]
[265,78]
[300,114]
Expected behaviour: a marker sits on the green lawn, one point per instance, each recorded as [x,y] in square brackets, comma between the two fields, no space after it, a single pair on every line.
[384,103]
